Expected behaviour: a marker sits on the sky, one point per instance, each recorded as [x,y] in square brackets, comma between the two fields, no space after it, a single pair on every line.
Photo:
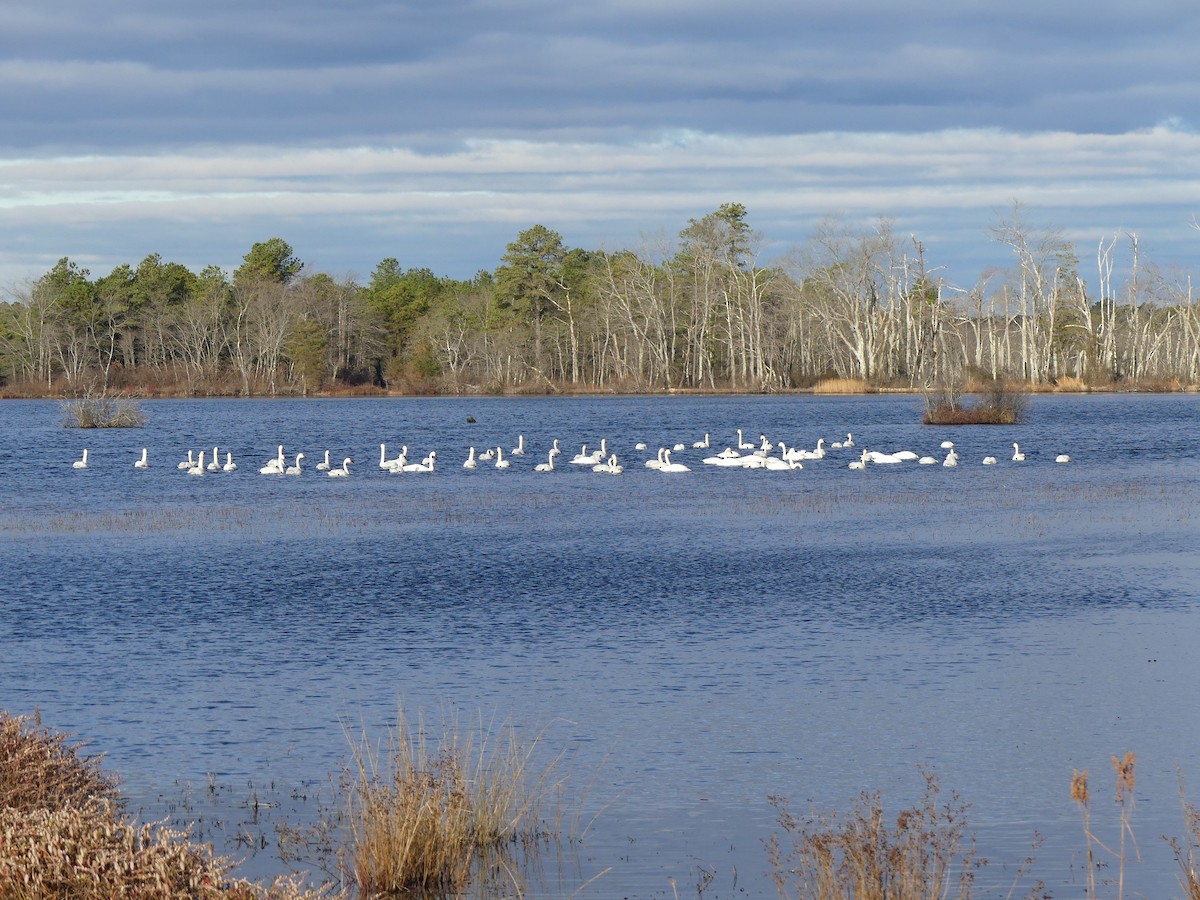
[435,132]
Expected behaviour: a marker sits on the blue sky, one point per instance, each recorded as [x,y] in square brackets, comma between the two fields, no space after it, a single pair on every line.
[435,132]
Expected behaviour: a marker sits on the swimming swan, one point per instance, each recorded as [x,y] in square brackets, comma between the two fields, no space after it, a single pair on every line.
[501,462]
[989,460]
[215,465]
[230,465]
[1061,458]
[519,450]
[189,462]
[198,468]
[742,443]
[275,466]
[701,445]
[144,462]
[324,466]
[951,458]
[295,470]
[426,466]
[548,465]
[1018,456]
[669,466]
[81,463]
[343,472]
[612,467]
[470,463]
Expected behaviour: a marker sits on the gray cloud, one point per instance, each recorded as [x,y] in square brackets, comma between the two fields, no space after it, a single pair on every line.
[434,131]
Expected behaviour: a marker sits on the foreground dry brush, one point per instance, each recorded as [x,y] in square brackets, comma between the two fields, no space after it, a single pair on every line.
[927,854]
[63,834]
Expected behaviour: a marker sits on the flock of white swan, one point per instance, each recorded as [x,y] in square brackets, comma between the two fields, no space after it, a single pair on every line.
[744,454]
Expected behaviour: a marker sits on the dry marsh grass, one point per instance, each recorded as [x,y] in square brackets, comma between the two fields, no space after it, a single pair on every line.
[841,386]
[63,834]
[425,815]
[928,852]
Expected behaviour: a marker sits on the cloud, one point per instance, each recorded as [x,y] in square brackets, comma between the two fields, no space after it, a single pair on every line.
[434,131]
[460,206]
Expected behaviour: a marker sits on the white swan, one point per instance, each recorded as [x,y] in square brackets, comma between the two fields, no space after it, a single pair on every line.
[397,465]
[926,461]
[295,469]
[817,453]
[678,447]
[657,462]
[470,463]
[215,465]
[426,466]
[275,466]
[383,460]
[701,445]
[81,463]
[583,458]
[230,465]
[501,462]
[882,459]
[487,455]
[1061,458]
[189,462]
[343,472]
[548,465]
[612,467]
[849,441]
[640,445]
[144,462]
[742,443]
[775,464]
[951,458]
[324,466]
[669,466]
[1018,456]
[519,450]
[947,445]
[728,462]
[860,463]
[198,468]
[989,460]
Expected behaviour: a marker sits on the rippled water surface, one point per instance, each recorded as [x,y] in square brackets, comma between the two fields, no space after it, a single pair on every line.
[698,641]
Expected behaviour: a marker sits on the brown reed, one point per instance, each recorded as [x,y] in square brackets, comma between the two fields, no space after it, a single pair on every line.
[841,386]
[926,854]
[423,814]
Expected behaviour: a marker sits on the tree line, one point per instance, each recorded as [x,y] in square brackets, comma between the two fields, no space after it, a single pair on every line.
[700,312]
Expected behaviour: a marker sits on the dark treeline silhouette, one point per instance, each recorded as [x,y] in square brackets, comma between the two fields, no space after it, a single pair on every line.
[701,312]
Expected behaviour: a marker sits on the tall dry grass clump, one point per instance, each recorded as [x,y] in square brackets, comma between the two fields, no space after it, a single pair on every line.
[41,770]
[103,411]
[63,835]
[926,854]
[423,814]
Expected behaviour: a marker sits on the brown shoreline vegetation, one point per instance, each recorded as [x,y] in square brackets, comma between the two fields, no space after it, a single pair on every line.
[433,821]
[61,390]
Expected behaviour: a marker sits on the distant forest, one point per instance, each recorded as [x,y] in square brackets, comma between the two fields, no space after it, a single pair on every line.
[864,306]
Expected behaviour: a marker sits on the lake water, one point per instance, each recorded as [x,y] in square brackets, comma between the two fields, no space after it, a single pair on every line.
[697,642]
